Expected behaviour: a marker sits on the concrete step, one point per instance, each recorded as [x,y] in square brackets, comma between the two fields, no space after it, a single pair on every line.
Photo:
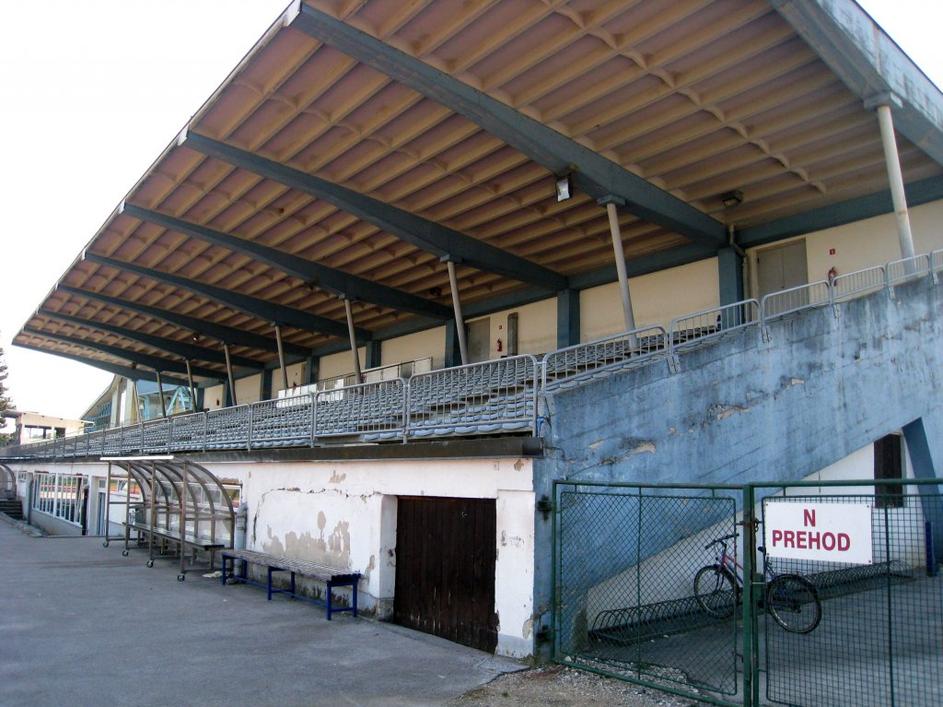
[12,509]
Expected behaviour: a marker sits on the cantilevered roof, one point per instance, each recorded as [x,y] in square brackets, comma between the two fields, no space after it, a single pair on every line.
[360,144]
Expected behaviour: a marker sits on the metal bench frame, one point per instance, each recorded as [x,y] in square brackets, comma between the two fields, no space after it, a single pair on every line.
[275,564]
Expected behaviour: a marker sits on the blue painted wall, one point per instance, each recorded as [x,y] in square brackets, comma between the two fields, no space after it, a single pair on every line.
[746,409]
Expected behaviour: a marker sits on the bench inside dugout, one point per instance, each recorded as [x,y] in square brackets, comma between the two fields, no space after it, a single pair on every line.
[173,508]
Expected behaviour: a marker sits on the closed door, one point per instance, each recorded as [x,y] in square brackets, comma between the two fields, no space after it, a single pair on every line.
[445,556]
[782,267]
[478,337]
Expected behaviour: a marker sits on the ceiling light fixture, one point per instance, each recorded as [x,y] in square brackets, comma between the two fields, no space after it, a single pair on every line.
[731,199]
[564,188]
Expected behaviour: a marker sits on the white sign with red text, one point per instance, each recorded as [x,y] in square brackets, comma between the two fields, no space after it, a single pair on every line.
[822,532]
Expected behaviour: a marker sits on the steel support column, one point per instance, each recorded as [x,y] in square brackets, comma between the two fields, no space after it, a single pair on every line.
[619,254]
[568,318]
[190,384]
[457,309]
[730,275]
[232,383]
[896,179]
[160,392]
[353,339]
[281,356]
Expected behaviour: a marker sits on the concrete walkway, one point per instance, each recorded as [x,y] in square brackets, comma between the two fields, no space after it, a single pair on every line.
[82,625]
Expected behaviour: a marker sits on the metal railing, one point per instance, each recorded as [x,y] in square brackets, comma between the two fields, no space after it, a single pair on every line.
[492,397]
[858,283]
[575,364]
[795,299]
[699,328]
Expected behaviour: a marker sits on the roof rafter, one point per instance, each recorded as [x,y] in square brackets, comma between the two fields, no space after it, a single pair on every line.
[171,346]
[326,278]
[154,362]
[107,366]
[264,309]
[229,335]
[428,235]
[596,175]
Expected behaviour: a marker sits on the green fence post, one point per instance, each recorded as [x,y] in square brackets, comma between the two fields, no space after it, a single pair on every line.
[749,553]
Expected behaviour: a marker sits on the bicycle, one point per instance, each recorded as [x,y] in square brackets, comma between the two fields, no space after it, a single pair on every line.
[791,600]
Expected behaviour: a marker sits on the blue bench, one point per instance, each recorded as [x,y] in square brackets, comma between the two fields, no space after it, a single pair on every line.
[299,568]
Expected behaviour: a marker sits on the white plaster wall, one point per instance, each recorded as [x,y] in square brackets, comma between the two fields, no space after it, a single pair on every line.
[343,514]
[414,346]
[213,397]
[249,389]
[340,363]
[864,243]
[296,377]
[656,299]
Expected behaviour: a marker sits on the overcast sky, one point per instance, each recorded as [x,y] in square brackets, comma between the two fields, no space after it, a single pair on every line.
[92,91]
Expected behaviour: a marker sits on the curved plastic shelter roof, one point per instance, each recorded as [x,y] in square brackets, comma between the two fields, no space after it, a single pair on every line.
[360,144]
[8,479]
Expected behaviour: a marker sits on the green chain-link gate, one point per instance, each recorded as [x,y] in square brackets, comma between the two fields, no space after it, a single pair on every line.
[649,587]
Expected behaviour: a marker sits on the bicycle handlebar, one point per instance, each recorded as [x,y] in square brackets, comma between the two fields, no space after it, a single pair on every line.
[720,540]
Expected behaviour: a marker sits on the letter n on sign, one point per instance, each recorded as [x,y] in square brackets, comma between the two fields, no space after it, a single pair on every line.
[818,532]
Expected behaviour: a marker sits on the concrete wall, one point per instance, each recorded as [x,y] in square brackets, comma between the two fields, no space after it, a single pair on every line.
[862,244]
[414,346]
[536,328]
[214,397]
[340,363]
[749,410]
[249,389]
[296,377]
[656,299]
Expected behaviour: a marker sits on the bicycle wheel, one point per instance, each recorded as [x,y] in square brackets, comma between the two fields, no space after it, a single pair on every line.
[715,591]
[793,603]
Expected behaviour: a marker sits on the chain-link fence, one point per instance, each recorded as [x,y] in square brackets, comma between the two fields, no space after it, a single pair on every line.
[824,593]
[878,637]
[627,559]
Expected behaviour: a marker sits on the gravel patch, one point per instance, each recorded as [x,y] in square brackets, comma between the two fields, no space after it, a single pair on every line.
[560,685]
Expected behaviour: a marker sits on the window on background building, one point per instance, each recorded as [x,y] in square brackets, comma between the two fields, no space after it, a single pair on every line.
[59,496]
[889,464]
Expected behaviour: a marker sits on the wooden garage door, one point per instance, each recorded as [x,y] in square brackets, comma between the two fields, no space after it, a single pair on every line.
[445,555]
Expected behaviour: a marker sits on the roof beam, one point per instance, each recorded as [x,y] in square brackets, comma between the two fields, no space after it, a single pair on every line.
[594,174]
[114,368]
[326,278]
[870,63]
[428,235]
[154,362]
[653,262]
[264,309]
[171,346]
[229,335]
[857,209]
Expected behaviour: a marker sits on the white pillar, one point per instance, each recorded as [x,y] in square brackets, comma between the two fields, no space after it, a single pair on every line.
[232,383]
[351,332]
[281,356]
[457,309]
[619,255]
[896,179]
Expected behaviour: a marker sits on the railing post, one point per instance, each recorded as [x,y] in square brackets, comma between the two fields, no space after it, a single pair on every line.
[205,415]
[249,436]
[314,417]
[750,575]
[405,410]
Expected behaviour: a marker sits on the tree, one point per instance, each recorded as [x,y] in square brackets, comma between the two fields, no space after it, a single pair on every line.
[5,403]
